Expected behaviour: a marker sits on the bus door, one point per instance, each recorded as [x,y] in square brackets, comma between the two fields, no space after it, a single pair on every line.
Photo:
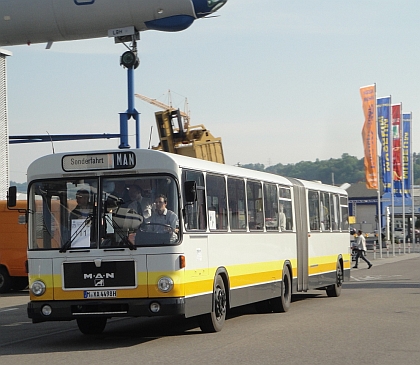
[299,197]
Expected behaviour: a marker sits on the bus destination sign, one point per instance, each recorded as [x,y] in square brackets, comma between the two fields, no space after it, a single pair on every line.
[99,161]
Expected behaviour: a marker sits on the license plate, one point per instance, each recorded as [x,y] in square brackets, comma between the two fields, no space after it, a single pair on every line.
[89,294]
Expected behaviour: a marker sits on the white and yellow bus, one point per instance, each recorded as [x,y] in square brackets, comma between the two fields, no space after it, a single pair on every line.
[227,237]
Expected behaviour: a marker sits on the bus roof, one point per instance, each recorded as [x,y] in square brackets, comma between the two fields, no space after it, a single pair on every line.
[151,161]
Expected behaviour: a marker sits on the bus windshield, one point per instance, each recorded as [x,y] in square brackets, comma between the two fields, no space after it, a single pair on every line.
[103,212]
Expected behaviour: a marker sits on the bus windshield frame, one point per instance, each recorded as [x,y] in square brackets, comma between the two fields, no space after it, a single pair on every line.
[100,212]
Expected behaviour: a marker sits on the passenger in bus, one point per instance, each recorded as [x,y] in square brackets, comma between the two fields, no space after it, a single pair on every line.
[83,207]
[135,193]
[121,192]
[282,217]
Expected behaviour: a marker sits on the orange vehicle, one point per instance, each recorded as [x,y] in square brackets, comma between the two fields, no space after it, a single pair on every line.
[13,245]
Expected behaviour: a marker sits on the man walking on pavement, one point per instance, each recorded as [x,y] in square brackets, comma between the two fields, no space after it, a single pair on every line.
[361,249]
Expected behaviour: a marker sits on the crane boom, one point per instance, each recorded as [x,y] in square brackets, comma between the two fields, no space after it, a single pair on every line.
[160,105]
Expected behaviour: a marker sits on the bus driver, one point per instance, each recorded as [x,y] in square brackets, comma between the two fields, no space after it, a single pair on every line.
[159,219]
[162,216]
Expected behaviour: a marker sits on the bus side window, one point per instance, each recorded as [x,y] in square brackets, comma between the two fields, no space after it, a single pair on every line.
[344,214]
[236,194]
[195,214]
[271,207]
[313,204]
[325,212]
[335,212]
[216,202]
[255,211]
[285,209]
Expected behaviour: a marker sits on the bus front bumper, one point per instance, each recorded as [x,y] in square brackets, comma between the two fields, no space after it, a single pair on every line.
[66,310]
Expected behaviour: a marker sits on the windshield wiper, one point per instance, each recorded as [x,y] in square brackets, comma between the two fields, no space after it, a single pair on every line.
[120,232]
[68,243]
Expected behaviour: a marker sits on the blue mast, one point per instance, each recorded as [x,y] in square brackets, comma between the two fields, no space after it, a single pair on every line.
[130,61]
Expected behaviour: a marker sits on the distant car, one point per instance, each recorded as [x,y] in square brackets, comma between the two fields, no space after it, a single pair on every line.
[416,235]
[398,233]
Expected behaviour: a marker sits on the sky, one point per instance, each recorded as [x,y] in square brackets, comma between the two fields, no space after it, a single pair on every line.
[278,81]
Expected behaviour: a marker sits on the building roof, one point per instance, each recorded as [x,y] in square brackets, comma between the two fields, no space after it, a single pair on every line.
[359,190]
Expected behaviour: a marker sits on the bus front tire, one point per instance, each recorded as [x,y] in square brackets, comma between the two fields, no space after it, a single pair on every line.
[5,281]
[214,321]
[91,326]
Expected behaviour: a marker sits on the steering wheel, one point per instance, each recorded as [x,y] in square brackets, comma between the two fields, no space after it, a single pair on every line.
[168,228]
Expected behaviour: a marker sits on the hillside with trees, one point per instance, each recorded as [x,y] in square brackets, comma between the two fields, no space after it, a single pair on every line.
[347,169]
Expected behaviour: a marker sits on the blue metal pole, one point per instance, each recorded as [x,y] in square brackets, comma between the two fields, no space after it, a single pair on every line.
[123,131]
[137,129]
[130,113]
[130,87]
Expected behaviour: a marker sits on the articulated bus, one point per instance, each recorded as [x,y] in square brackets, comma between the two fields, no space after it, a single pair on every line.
[201,238]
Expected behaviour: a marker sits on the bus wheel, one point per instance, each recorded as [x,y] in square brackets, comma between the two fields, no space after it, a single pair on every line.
[91,326]
[5,280]
[282,303]
[335,289]
[214,321]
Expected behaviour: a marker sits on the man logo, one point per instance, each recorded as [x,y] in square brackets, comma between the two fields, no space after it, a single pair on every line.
[108,275]
[99,282]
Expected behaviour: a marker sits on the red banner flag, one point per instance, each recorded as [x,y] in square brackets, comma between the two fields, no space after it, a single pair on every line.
[368,94]
[396,142]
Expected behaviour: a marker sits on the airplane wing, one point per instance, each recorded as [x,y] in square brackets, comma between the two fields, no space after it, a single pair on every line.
[42,21]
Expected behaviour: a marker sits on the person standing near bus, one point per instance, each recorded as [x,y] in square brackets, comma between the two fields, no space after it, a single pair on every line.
[361,249]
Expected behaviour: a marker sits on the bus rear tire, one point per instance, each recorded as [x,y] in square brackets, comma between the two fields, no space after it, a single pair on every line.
[281,304]
[214,321]
[5,281]
[91,326]
[335,289]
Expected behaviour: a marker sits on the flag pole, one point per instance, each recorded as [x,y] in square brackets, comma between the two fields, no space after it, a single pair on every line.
[413,226]
[392,184]
[402,174]
[379,215]
[378,183]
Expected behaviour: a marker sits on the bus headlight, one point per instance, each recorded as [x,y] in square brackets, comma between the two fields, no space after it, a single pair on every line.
[38,288]
[165,284]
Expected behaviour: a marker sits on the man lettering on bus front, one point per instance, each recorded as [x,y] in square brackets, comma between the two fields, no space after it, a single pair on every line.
[361,249]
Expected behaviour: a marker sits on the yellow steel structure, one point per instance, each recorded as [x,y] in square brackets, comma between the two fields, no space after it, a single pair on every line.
[183,139]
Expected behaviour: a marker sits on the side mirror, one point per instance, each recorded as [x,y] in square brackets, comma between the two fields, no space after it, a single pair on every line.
[190,189]
[11,196]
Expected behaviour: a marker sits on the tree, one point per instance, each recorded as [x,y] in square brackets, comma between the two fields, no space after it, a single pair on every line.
[347,169]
